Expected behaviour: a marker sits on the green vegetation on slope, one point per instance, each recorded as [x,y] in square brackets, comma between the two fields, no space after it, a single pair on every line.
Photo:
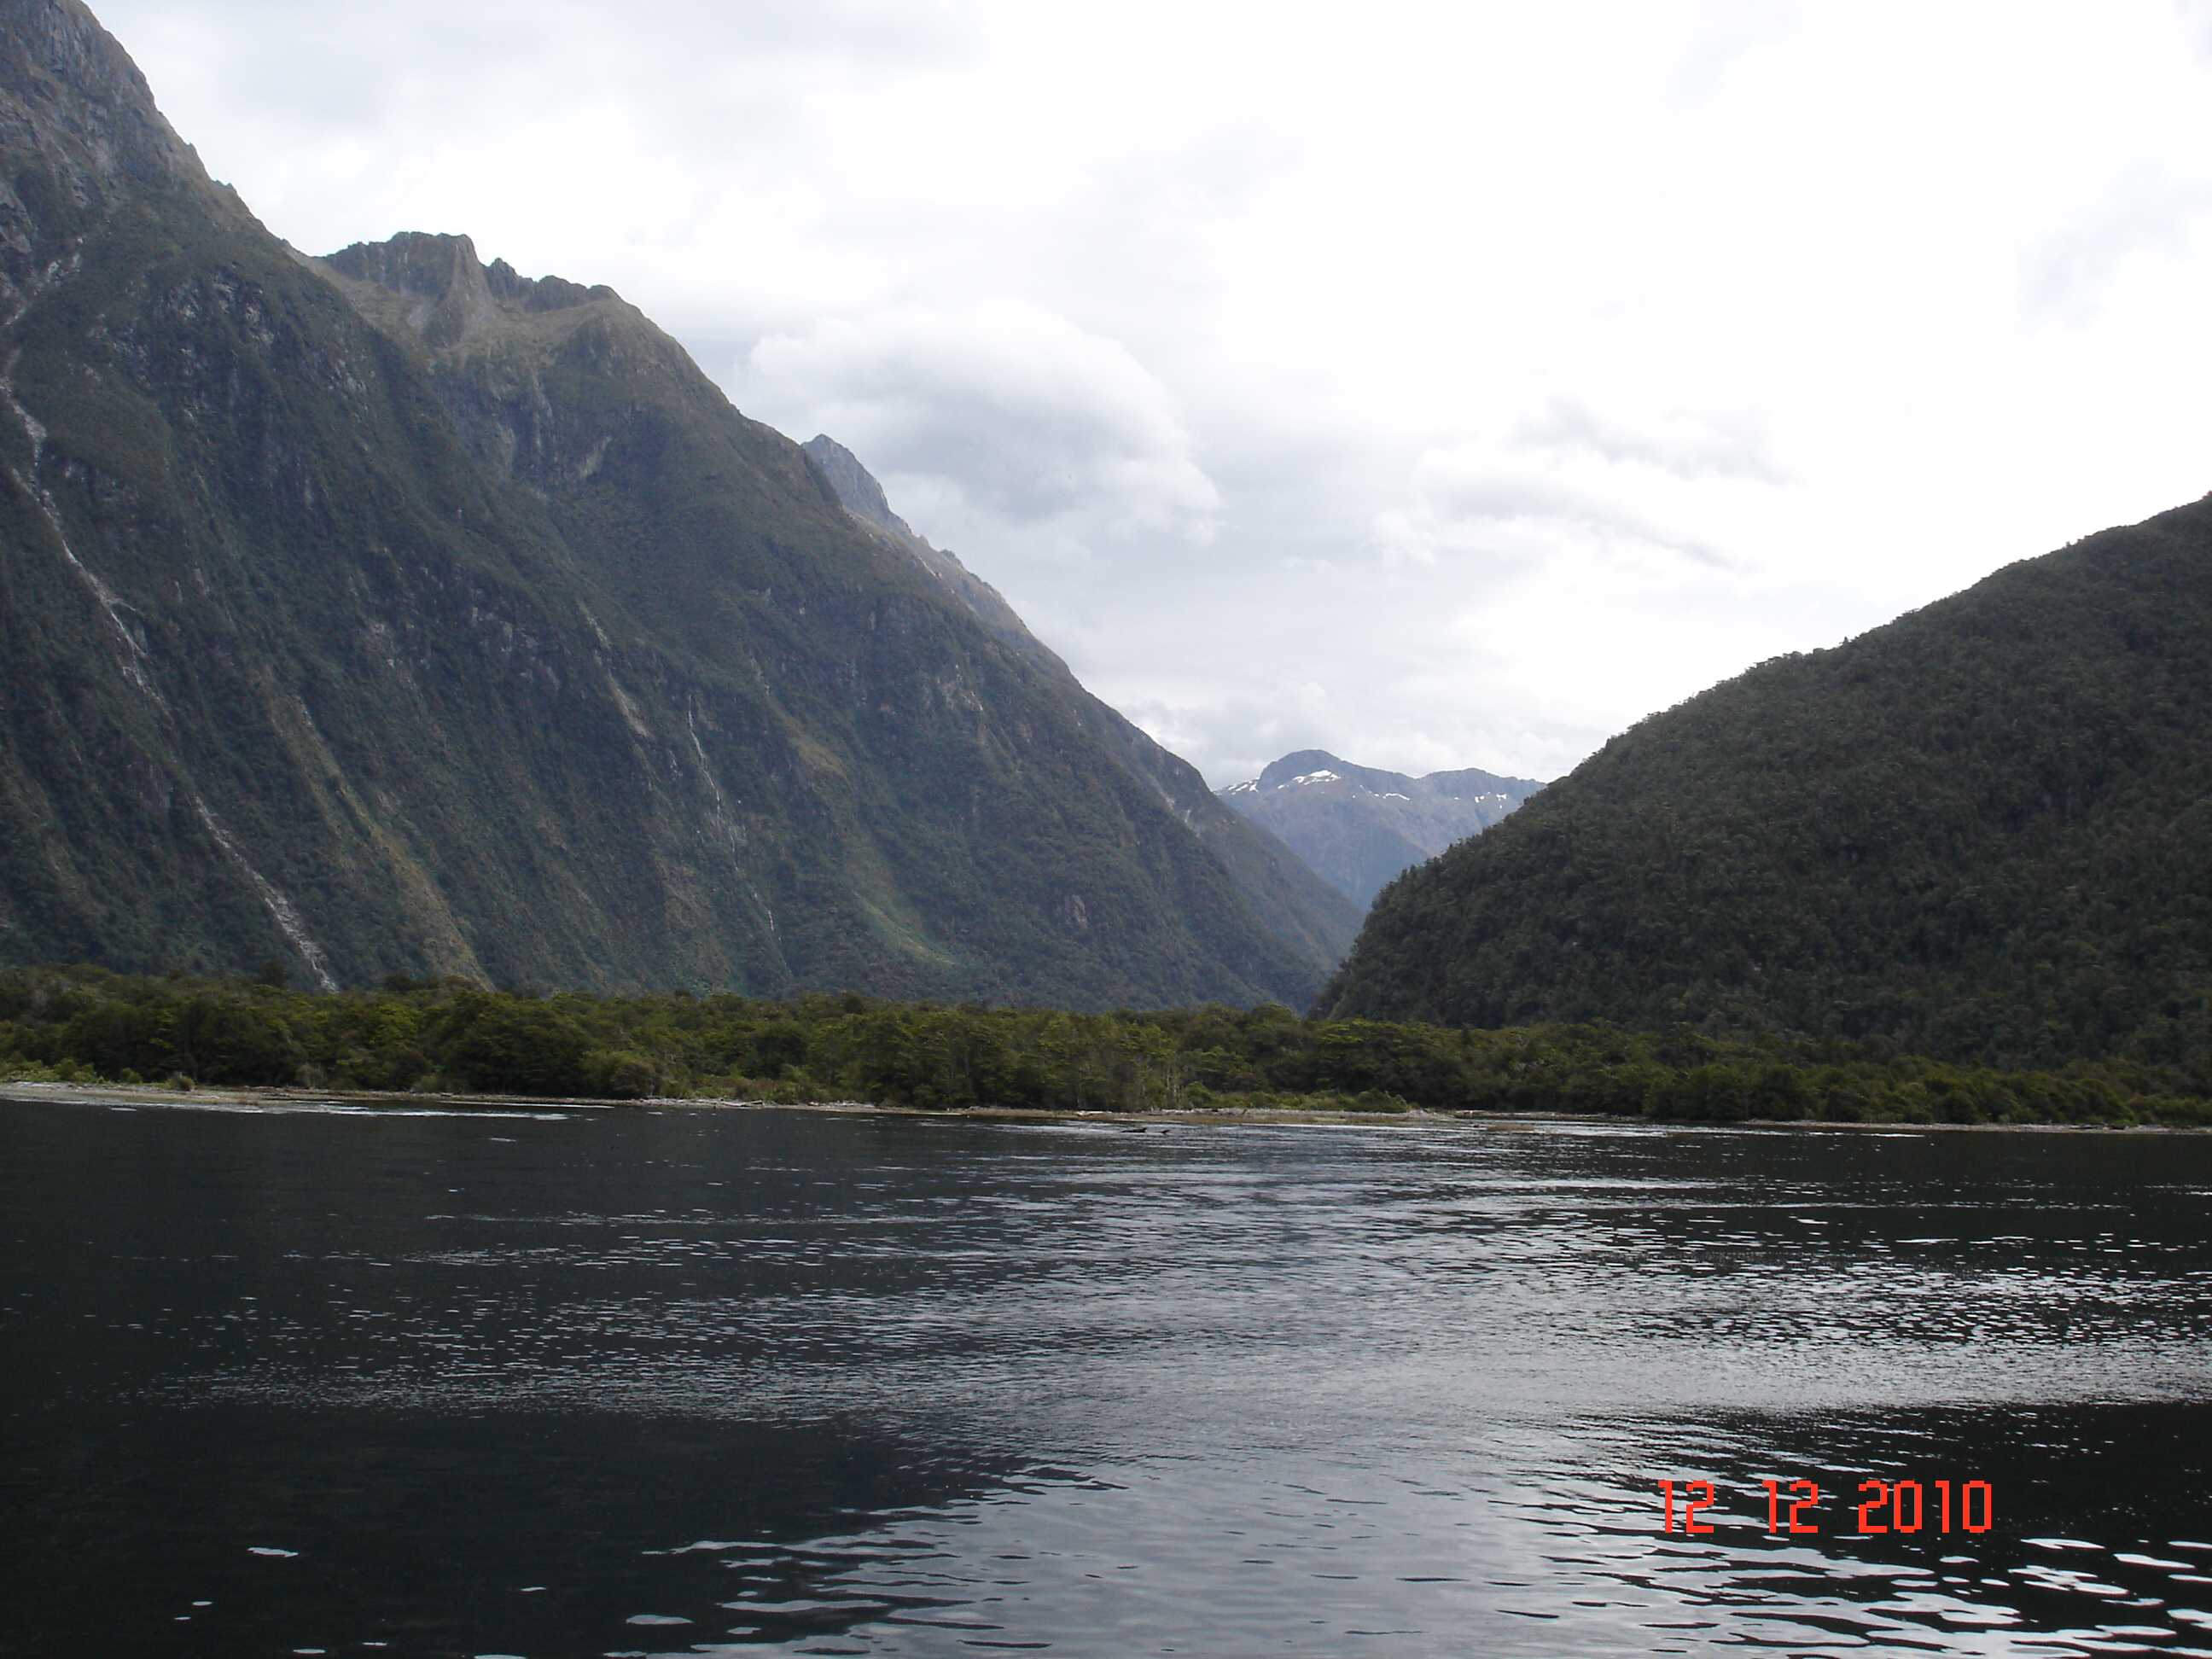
[78,1024]
[1983,831]
[395,615]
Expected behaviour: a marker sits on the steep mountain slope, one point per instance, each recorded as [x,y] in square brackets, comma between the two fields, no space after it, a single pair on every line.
[1982,831]
[398,613]
[1356,826]
[1283,890]
[858,492]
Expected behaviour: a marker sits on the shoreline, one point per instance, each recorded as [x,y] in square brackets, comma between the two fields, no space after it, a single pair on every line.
[257,1099]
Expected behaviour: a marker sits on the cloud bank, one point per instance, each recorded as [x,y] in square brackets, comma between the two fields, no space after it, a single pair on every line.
[1443,386]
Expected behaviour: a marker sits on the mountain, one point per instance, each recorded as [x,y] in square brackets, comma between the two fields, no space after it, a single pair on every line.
[1980,832]
[1281,887]
[1356,826]
[858,492]
[395,613]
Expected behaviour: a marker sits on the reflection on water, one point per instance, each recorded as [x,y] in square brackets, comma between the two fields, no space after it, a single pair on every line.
[681,1382]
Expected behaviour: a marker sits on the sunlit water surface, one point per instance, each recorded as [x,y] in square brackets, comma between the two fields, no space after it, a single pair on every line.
[569,1382]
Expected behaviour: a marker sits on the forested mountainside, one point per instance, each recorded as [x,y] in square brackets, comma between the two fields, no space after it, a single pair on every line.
[395,613]
[1984,831]
[1356,826]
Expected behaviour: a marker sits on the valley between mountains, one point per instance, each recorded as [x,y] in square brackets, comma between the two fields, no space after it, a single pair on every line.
[392,615]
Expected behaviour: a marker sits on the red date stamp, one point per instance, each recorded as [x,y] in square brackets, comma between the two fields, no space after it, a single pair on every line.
[1887,1506]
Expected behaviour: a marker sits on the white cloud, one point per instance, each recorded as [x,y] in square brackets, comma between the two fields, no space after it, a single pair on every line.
[1440,386]
[1690,444]
[1028,417]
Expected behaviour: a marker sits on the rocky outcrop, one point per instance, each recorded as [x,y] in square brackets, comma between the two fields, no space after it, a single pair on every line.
[854,486]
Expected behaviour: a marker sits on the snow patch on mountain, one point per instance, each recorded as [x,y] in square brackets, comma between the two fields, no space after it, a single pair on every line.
[1356,826]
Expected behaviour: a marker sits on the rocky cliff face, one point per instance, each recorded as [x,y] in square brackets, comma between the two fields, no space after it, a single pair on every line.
[394,612]
[857,490]
[1358,827]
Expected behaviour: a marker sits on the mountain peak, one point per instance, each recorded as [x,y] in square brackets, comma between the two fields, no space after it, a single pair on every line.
[429,265]
[1302,763]
[75,107]
[76,81]
[455,295]
[856,489]
[1356,826]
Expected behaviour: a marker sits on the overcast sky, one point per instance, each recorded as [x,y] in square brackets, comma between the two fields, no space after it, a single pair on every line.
[1442,385]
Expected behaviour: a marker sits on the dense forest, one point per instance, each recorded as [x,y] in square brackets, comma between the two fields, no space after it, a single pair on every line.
[85,1025]
[1983,831]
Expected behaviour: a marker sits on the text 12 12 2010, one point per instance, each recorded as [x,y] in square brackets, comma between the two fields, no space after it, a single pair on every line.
[1886,1506]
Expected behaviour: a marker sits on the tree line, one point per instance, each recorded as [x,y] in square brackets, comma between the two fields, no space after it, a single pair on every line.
[85,1024]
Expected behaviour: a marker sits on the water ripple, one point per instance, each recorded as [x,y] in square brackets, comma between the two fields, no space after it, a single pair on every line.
[749,1383]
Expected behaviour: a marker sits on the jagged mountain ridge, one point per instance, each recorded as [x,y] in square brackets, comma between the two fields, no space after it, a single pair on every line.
[395,613]
[1979,831]
[1358,827]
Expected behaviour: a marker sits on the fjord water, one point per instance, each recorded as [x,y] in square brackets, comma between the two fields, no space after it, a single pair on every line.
[585,1382]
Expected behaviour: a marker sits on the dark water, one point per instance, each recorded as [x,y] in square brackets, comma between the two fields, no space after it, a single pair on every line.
[586,1383]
